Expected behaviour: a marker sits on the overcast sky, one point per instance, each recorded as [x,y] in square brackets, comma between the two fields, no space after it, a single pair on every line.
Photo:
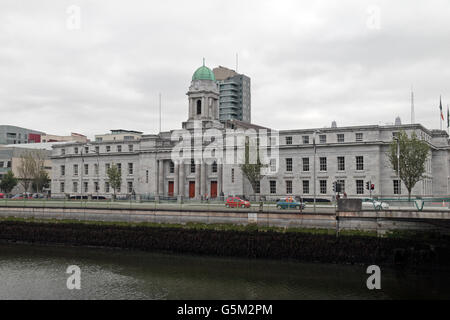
[309,62]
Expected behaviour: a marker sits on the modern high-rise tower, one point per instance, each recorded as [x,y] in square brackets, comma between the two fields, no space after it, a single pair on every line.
[235,96]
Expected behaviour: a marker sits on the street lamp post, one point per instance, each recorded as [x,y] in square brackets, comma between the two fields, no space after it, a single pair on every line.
[314,167]
[81,173]
[398,159]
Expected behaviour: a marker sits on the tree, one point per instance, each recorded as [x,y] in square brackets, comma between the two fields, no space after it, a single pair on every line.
[8,182]
[30,168]
[115,177]
[252,166]
[413,154]
[41,181]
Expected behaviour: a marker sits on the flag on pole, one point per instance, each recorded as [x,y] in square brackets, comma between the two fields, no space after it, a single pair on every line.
[440,108]
[448,118]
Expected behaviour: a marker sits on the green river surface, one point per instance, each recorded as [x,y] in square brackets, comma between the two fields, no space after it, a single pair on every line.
[29,271]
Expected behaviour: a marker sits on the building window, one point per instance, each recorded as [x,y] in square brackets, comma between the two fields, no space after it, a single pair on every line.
[323,163]
[305,186]
[341,163]
[146,176]
[96,168]
[397,187]
[258,187]
[171,167]
[289,164]
[61,187]
[86,169]
[130,148]
[288,140]
[359,137]
[108,148]
[97,149]
[106,186]
[86,149]
[214,167]
[119,148]
[192,166]
[322,138]
[359,186]
[288,186]
[63,170]
[75,186]
[107,167]
[273,186]
[305,139]
[75,169]
[199,107]
[63,151]
[232,175]
[342,184]
[305,164]
[130,187]
[340,137]
[119,168]
[130,168]
[86,186]
[359,163]
[75,150]
[323,186]
[96,188]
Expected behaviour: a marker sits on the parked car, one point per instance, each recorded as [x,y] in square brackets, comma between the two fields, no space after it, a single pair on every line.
[374,204]
[235,202]
[290,203]
[38,196]
[2,195]
[21,196]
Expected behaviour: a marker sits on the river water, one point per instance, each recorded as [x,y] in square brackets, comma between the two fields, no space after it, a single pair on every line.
[39,272]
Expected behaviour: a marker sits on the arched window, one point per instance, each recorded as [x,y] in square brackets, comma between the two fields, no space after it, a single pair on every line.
[199,107]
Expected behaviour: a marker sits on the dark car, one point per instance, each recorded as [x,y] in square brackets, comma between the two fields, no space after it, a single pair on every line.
[289,203]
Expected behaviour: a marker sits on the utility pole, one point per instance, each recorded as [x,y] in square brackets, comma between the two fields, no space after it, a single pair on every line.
[160,112]
[314,167]
[413,120]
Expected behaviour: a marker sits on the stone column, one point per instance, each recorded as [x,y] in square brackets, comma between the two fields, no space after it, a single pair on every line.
[176,179]
[203,187]
[204,107]
[197,181]
[181,180]
[161,177]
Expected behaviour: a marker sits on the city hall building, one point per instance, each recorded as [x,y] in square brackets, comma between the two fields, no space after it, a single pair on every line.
[351,156]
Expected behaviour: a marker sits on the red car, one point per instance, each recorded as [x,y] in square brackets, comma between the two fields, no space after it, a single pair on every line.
[235,202]
[2,195]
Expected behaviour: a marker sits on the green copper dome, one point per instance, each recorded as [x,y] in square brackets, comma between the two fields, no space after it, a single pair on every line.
[203,73]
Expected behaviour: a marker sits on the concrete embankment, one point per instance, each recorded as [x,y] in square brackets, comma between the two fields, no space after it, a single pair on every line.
[251,241]
[380,222]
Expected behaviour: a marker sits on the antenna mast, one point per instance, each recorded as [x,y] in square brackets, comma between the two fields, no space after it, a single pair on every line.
[160,112]
[413,120]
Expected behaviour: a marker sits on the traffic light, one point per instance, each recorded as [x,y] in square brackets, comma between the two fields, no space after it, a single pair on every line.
[334,186]
[372,186]
[367,185]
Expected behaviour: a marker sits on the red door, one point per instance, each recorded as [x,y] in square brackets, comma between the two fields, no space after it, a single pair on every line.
[170,189]
[213,189]
[191,189]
